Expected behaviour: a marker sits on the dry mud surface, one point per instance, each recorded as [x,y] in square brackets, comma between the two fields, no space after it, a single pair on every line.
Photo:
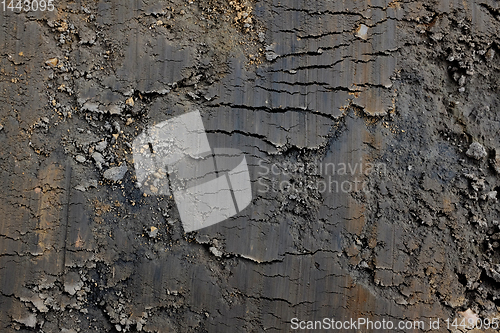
[411,87]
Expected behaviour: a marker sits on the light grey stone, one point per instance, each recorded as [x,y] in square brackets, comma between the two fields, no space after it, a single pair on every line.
[101,146]
[116,173]
[476,151]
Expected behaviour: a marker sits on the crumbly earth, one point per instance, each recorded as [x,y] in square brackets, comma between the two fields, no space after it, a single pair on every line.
[372,134]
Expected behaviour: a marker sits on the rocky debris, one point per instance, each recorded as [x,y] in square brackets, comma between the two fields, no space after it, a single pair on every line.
[243,17]
[65,330]
[116,173]
[101,146]
[72,283]
[63,26]
[1,127]
[92,107]
[86,185]
[96,99]
[116,126]
[481,223]
[80,159]
[493,270]
[461,81]
[478,184]
[215,251]
[81,188]
[496,161]
[28,321]
[469,315]
[193,95]
[152,232]
[491,196]
[52,62]
[37,301]
[99,159]
[262,36]
[362,32]
[130,101]
[271,55]
[490,54]
[476,151]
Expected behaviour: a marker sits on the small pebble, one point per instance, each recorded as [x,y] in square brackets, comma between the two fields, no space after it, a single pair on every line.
[80,159]
[476,151]
[130,101]
[215,251]
[153,232]
[101,146]
[116,173]
[52,62]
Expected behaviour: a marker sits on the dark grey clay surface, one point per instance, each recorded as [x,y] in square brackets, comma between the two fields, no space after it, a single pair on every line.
[371,130]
